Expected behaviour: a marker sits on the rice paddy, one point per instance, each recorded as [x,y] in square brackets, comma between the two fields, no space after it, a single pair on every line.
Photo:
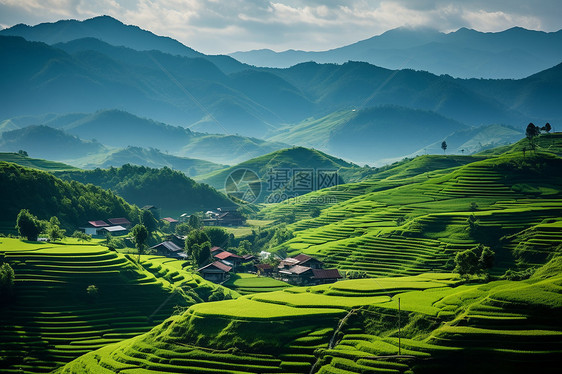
[53,319]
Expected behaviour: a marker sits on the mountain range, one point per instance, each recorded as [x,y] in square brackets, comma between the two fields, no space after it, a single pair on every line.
[465,53]
[116,74]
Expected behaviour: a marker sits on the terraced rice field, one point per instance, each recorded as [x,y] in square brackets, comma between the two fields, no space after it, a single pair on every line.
[53,319]
[415,224]
[250,283]
[443,321]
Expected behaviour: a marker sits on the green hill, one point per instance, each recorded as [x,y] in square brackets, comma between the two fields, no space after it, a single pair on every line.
[152,158]
[52,318]
[45,196]
[46,142]
[276,173]
[396,223]
[353,326]
[169,190]
[35,163]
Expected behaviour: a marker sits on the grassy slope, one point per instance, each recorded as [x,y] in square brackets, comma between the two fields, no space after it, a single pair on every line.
[35,163]
[510,325]
[52,319]
[399,222]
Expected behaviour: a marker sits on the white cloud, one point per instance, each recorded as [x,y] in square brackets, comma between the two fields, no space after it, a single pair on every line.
[219,26]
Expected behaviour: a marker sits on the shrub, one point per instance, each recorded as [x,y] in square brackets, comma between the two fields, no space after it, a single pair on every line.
[7,277]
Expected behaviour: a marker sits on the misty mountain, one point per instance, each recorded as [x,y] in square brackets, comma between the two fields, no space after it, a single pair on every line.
[114,32]
[465,53]
[158,89]
[152,158]
[46,142]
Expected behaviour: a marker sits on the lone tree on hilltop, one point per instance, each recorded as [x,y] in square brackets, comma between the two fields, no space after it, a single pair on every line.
[546,127]
[444,146]
[28,225]
[531,132]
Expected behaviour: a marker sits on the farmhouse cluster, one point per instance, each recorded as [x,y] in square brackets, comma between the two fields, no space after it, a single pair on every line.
[298,270]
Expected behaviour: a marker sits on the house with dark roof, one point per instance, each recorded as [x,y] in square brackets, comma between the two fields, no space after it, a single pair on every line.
[264,269]
[215,272]
[169,249]
[121,221]
[224,217]
[304,269]
[323,276]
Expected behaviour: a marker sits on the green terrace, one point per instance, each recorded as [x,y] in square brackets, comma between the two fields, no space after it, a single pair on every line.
[352,327]
[53,318]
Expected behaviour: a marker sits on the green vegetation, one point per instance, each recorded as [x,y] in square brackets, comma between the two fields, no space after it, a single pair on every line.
[70,299]
[415,216]
[249,284]
[35,163]
[343,327]
[169,190]
[46,196]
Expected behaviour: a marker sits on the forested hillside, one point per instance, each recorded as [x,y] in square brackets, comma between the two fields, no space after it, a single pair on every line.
[169,190]
[45,195]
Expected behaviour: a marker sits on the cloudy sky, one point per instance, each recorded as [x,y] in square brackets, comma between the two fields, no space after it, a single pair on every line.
[223,26]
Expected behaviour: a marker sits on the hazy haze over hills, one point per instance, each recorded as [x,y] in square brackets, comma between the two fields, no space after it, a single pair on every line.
[104,67]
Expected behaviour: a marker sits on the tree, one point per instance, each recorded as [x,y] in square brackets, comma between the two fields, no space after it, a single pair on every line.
[7,277]
[196,237]
[444,146]
[140,235]
[195,222]
[183,228]
[81,236]
[148,220]
[219,237]
[474,260]
[28,225]
[245,247]
[53,229]
[546,127]
[531,132]
[201,253]
[23,153]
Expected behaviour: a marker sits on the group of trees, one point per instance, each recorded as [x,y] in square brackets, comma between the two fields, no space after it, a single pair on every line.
[30,227]
[533,131]
[47,196]
[474,261]
[163,187]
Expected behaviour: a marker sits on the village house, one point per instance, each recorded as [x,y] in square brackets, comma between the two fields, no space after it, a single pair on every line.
[114,230]
[265,270]
[169,249]
[94,228]
[124,222]
[229,259]
[304,270]
[173,222]
[152,209]
[215,272]
[225,216]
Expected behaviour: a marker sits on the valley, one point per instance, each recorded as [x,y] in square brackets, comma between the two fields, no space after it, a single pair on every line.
[390,206]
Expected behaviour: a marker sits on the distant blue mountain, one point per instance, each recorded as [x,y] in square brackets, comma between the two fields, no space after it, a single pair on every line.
[116,33]
[465,53]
